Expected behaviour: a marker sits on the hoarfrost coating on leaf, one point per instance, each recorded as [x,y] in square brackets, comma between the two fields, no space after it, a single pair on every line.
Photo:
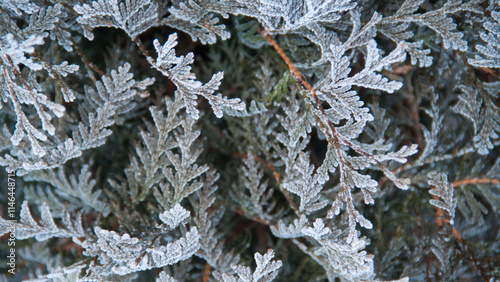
[64,68]
[174,216]
[483,114]
[349,261]
[116,247]
[178,70]
[164,277]
[77,188]
[183,174]
[206,219]
[251,177]
[266,270]
[44,20]
[490,54]
[123,254]
[13,52]
[318,230]
[437,20]
[198,20]
[138,180]
[308,187]
[112,93]
[114,96]
[444,192]
[46,228]
[285,16]
[294,230]
[134,16]
[20,6]
[69,273]
[336,90]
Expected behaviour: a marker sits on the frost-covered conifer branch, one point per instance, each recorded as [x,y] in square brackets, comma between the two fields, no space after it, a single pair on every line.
[145,168]
[47,228]
[182,175]
[77,189]
[367,78]
[150,189]
[124,254]
[133,16]
[434,159]
[266,270]
[484,115]
[445,202]
[114,96]
[198,19]
[490,54]
[178,70]
[251,180]
[436,20]
[11,55]
[340,260]
[211,248]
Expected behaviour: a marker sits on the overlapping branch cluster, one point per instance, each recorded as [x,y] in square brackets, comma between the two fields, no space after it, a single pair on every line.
[315,158]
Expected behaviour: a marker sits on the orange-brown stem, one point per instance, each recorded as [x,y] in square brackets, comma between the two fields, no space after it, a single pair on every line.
[206,275]
[474,181]
[88,63]
[290,65]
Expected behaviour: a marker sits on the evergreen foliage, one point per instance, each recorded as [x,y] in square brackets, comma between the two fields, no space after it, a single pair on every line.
[334,140]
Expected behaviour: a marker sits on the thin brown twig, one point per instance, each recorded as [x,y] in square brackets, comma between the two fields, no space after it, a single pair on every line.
[292,67]
[143,49]
[138,260]
[336,137]
[469,181]
[206,274]
[16,72]
[88,63]
[475,181]
[56,76]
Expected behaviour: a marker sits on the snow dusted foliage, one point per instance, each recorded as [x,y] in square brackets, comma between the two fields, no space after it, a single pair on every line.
[78,189]
[124,254]
[114,96]
[285,16]
[174,216]
[444,192]
[178,69]
[133,16]
[489,55]
[266,270]
[250,140]
[198,19]
[484,115]
[12,54]
[46,228]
